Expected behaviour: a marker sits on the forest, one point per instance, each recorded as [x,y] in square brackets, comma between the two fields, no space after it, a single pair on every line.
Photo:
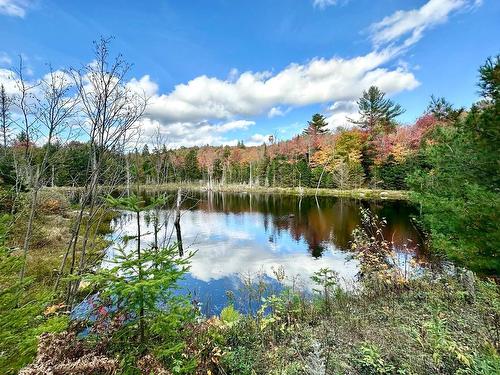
[73,156]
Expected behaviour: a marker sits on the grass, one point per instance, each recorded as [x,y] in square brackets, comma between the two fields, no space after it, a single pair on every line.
[361,193]
[435,324]
[37,307]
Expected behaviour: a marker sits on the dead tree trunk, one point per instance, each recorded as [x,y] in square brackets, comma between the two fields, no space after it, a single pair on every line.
[177,222]
[319,181]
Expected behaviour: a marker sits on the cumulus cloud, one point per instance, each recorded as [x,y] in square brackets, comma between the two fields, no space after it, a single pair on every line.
[232,125]
[318,81]
[340,112]
[411,24]
[187,134]
[209,105]
[143,85]
[14,8]
[203,109]
[8,80]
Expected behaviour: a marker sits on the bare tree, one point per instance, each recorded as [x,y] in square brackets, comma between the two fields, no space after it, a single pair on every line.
[5,104]
[110,111]
[45,107]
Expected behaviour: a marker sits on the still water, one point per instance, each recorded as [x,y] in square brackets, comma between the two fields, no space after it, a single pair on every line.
[243,238]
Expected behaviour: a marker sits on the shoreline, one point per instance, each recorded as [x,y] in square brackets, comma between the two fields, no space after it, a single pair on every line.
[361,193]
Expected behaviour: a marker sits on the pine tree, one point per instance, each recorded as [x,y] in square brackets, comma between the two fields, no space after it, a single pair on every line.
[191,165]
[489,84]
[442,110]
[377,112]
[317,125]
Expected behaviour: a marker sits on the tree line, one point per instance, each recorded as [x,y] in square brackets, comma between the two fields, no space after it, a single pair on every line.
[375,152]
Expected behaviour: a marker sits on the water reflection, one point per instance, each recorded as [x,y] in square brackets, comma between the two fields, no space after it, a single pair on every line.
[237,235]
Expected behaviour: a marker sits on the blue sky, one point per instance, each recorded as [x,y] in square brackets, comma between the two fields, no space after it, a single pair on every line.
[224,70]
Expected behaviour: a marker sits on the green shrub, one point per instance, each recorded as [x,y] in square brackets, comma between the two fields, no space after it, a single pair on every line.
[370,361]
[240,361]
[229,316]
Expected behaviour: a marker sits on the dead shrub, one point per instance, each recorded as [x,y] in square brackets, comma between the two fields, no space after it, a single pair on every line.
[51,202]
[63,354]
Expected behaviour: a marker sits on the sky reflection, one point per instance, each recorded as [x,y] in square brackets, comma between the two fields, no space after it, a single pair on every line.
[242,236]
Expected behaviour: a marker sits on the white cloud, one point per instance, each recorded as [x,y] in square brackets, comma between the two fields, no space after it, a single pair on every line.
[257,139]
[340,112]
[233,74]
[233,125]
[412,23]
[7,79]
[5,59]
[201,110]
[143,86]
[277,111]
[14,8]
[318,81]
[322,4]
[179,134]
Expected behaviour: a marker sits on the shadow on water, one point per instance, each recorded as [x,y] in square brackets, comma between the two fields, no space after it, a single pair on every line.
[243,239]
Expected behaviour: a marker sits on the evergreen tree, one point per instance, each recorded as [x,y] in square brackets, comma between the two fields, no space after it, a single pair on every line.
[304,172]
[317,125]
[458,190]
[442,110]
[217,169]
[191,167]
[377,113]
[489,83]
[138,291]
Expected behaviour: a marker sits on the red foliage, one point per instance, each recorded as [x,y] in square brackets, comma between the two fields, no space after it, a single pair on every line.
[404,140]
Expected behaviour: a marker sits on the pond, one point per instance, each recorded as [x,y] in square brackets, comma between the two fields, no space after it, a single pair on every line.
[244,239]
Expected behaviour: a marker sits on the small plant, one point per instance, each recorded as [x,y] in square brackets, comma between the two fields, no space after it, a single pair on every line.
[136,306]
[370,361]
[229,316]
[315,362]
[327,280]
[239,361]
[446,352]
[375,254]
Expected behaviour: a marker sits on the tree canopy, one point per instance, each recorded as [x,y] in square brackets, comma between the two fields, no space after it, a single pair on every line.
[317,125]
[377,113]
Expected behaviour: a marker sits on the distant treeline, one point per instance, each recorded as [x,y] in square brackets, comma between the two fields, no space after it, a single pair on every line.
[375,152]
